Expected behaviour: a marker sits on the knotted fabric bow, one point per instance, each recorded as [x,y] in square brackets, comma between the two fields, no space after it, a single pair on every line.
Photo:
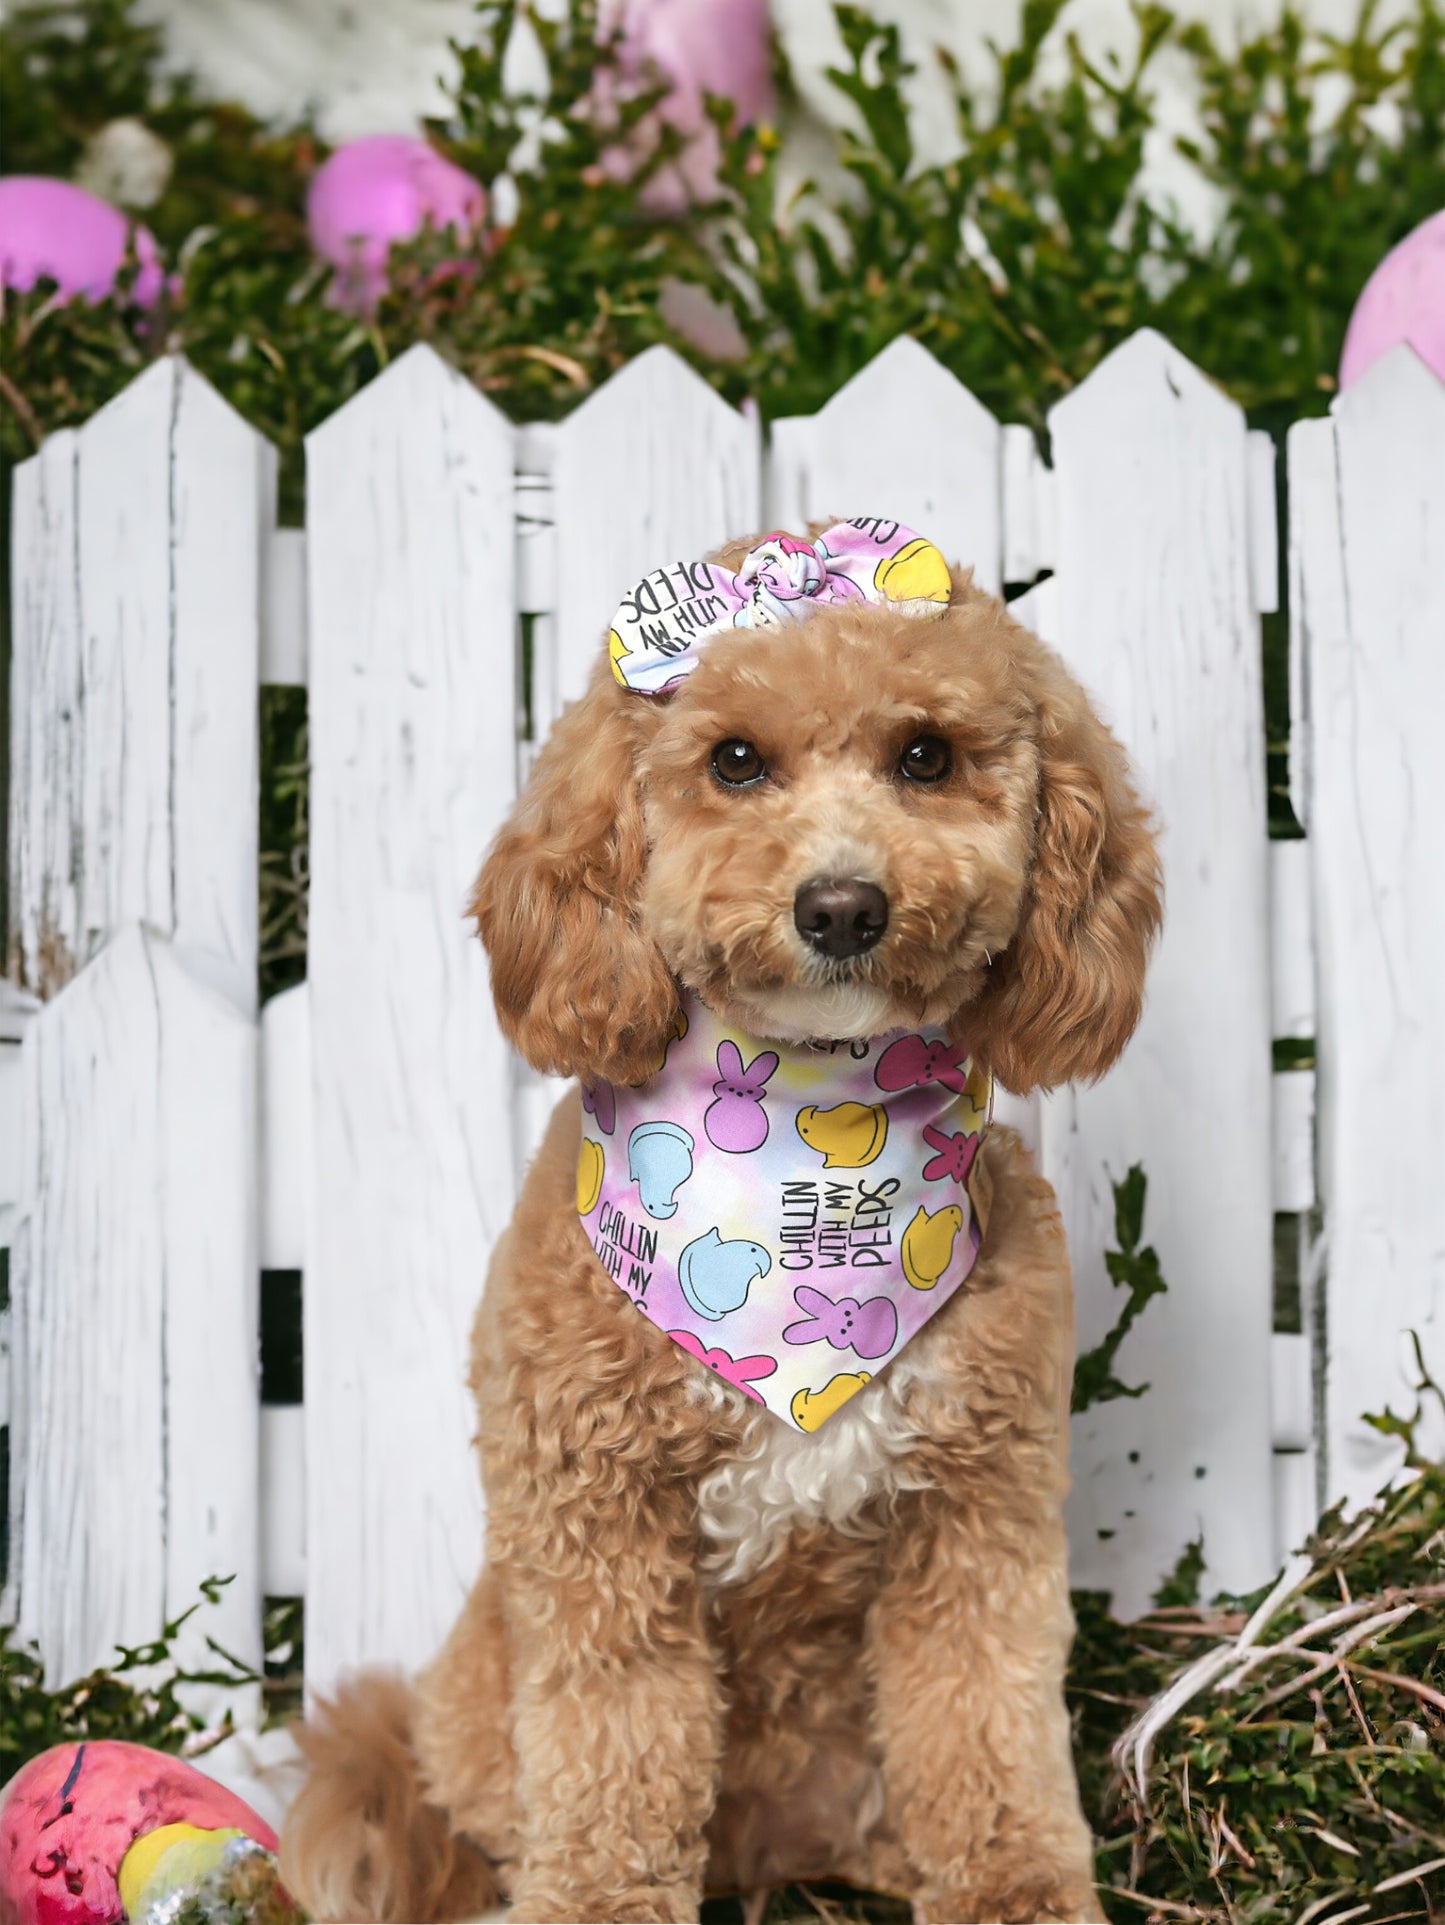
[662,621]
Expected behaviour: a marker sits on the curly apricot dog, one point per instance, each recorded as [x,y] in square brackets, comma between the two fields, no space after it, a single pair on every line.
[712,1650]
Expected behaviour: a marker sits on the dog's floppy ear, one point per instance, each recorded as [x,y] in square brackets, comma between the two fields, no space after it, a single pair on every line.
[580,989]
[1062,1000]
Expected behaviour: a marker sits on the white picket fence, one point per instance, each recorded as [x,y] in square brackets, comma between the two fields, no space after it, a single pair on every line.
[164,1143]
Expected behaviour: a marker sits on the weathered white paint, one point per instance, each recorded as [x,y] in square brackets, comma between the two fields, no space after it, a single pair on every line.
[412,700]
[1316,586]
[133,1282]
[221,505]
[137,615]
[1368,504]
[45,718]
[1154,613]
[902,438]
[653,468]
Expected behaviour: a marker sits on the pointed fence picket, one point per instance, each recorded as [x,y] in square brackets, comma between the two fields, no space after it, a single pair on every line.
[413,702]
[133,839]
[1367,490]
[133,1285]
[1154,613]
[456,575]
[134,734]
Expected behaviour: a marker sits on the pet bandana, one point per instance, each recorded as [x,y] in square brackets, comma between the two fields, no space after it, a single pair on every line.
[790,1213]
[654,637]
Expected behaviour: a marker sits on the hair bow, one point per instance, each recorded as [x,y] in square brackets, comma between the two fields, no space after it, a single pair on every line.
[663,620]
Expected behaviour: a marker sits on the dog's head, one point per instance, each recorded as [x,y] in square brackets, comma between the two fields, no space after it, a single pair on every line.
[860,822]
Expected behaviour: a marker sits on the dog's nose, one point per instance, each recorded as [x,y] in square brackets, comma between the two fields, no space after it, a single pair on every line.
[840,918]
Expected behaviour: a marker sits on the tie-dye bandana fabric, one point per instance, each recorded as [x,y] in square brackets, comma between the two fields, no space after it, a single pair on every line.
[664,619]
[791,1214]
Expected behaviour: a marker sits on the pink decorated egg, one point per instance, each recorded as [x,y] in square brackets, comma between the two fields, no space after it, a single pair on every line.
[52,231]
[375,192]
[94,1834]
[1403,300]
[702,47]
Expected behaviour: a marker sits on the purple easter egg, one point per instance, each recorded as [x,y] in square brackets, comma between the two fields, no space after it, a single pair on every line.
[52,231]
[375,192]
[1403,300]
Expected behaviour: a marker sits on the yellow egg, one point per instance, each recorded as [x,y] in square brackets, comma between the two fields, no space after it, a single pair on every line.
[917,573]
[590,1165]
[617,648]
[142,1862]
[927,1246]
[811,1408]
[850,1135]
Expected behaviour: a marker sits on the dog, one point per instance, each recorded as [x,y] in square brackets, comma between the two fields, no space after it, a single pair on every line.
[713,1651]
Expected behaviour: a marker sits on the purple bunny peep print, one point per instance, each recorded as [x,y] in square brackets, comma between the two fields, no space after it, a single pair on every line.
[737,1121]
[870,1328]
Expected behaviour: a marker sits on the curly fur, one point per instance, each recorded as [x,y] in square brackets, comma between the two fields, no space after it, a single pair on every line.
[706,1654]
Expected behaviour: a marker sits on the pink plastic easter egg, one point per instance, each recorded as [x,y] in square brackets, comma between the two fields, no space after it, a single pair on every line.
[1403,300]
[375,192]
[69,1817]
[52,231]
[703,47]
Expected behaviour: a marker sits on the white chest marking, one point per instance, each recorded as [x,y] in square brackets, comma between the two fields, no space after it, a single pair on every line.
[748,1505]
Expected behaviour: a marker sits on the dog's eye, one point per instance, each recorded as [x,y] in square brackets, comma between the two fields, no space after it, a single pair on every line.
[737,763]
[927,758]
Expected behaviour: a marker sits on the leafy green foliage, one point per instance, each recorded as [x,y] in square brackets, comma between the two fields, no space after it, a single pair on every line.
[536,312]
[1022,261]
[1133,1270]
[569,287]
[139,1698]
[1019,262]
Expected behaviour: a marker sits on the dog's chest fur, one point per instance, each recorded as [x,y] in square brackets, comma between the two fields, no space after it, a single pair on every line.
[749,1504]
